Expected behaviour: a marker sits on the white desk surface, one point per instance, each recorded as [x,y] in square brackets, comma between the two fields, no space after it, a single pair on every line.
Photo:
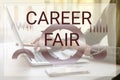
[20,69]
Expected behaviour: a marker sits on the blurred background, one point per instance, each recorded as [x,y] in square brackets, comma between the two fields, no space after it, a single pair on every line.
[64,1]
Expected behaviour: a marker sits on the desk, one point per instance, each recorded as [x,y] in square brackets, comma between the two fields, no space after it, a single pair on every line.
[21,70]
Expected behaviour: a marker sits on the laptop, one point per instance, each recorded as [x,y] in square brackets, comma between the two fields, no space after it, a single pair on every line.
[38,59]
